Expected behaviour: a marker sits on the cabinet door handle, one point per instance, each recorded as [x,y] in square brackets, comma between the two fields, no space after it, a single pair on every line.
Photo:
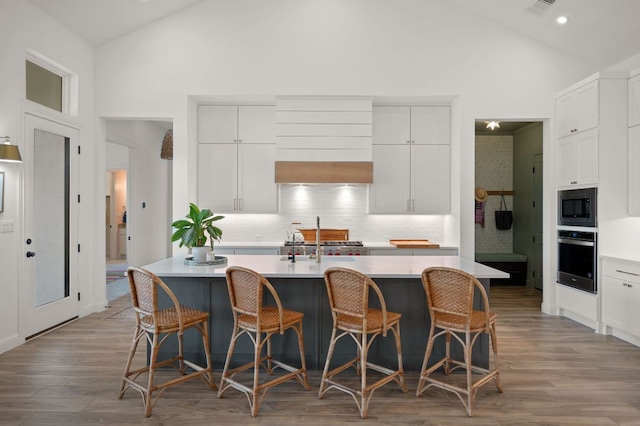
[574,182]
[628,273]
[408,205]
[408,141]
[235,204]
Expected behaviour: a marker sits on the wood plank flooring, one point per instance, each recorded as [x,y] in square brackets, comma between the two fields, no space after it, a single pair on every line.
[554,371]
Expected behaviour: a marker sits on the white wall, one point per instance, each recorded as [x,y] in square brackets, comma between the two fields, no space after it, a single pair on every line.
[24,27]
[358,47]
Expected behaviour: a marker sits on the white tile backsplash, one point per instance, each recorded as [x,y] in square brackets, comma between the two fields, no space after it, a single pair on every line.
[339,206]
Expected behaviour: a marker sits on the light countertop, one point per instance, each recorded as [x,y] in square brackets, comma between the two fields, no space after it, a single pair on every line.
[277,244]
[274,266]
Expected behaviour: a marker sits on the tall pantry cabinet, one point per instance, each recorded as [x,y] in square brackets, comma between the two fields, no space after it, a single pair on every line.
[634,144]
[236,158]
[591,148]
[411,160]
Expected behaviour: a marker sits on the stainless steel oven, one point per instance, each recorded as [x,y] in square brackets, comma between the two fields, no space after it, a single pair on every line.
[577,260]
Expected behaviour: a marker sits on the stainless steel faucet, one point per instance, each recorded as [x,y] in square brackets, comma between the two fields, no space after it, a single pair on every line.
[318,250]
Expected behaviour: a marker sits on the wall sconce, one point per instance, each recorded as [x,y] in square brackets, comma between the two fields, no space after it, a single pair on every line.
[492,124]
[166,152]
[9,153]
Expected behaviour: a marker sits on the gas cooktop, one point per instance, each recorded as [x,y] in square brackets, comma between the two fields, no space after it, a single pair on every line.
[327,243]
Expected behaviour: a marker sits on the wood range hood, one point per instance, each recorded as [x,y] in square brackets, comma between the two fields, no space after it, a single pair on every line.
[347,172]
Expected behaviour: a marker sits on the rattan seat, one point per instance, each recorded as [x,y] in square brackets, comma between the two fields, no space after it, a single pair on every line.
[348,292]
[259,323]
[156,325]
[450,296]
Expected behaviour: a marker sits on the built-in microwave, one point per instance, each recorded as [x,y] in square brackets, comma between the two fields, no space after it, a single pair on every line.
[578,207]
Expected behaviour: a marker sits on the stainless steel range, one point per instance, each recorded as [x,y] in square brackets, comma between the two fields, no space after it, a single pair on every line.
[329,248]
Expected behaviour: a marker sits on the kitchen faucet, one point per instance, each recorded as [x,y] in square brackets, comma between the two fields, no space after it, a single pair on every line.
[318,239]
[293,240]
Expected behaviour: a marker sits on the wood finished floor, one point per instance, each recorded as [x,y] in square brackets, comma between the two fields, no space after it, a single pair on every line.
[554,372]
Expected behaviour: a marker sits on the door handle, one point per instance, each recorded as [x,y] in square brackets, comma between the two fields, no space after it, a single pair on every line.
[31,254]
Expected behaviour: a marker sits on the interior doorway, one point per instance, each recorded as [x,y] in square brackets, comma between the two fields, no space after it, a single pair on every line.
[116,223]
[509,161]
[116,232]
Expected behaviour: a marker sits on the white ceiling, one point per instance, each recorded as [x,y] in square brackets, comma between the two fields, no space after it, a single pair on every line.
[99,21]
[599,32]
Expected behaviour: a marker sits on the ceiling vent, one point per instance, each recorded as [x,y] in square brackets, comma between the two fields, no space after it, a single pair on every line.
[540,7]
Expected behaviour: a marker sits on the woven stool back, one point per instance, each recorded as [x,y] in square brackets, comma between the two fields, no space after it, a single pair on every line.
[245,291]
[348,291]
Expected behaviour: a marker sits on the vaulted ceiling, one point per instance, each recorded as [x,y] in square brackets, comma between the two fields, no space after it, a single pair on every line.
[599,32]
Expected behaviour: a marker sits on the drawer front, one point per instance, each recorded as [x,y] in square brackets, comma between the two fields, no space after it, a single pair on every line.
[625,271]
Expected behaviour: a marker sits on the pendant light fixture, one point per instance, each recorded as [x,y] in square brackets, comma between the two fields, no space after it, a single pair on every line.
[492,124]
[9,153]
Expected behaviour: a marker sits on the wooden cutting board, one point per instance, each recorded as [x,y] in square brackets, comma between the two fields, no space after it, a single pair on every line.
[414,244]
[325,234]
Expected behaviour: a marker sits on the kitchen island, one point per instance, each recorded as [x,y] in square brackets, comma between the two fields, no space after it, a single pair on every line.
[301,287]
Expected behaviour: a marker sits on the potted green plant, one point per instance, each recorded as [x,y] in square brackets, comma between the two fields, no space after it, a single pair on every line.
[194,231]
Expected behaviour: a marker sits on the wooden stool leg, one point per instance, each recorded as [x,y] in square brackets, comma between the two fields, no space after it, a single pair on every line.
[225,372]
[325,372]
[132,351]
[152,369]
[425,362]
[207,352]
[303,362]
[396,333]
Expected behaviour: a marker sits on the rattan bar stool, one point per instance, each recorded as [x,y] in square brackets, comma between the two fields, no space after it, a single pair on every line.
[259,323]
[348,292]
[450,294]
[156,325]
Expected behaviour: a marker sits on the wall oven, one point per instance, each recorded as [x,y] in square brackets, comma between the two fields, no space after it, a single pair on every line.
[578,207]
[577,260]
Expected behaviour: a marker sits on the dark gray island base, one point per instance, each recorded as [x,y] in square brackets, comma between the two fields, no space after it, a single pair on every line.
[308,294]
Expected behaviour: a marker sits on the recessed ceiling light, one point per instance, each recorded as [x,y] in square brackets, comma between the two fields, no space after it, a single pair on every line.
[562,20]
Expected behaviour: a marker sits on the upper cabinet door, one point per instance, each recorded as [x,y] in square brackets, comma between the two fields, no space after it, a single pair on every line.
[391,125]
[634,170]
[430,179]
[430,125]
[578,110]
[587,102]
[257,124]
[217,123]
[634,101]
[390,192]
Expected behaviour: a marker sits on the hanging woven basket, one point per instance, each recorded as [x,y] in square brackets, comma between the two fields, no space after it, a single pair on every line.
[166,152]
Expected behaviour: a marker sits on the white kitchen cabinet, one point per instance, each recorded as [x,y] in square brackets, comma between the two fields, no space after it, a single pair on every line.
[577,110]
[249,250]
[401,125]
[446,251]
[236,158]
[633,154]
[621,298]
[634,100]
[237,177]
[237,124]
[411,160]
[410,179]
[578,159]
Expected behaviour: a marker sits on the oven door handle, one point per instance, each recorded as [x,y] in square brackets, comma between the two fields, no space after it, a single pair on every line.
[576,242]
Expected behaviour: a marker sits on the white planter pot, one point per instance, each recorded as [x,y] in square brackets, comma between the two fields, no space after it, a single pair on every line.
[200,253]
